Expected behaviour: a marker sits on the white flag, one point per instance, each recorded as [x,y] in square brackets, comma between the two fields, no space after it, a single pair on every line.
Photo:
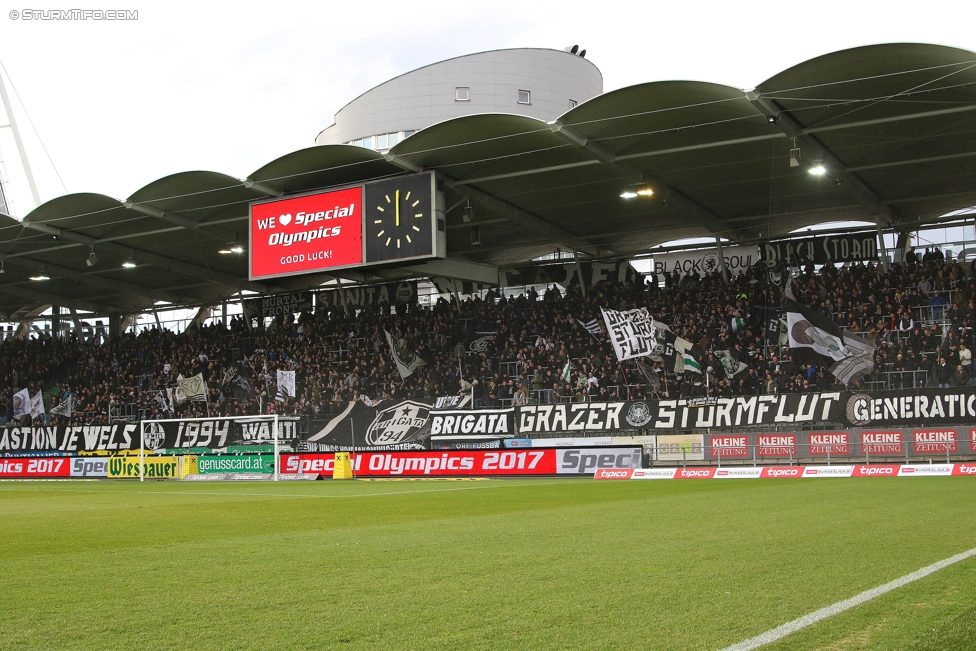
[194,388]
[286,385]
[37,405]
[22,401]
[66,407]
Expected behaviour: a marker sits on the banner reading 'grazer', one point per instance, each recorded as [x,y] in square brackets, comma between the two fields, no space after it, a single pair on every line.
[893,408]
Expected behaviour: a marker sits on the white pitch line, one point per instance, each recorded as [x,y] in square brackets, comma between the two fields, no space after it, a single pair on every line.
[789,628]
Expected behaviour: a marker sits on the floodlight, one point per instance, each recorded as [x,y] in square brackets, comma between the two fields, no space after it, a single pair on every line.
[818,170]
[628,195]
[129,263]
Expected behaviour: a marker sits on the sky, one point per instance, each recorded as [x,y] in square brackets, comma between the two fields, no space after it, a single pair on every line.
[192,87]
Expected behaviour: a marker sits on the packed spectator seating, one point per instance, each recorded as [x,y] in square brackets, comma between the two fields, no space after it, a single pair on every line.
[920,314]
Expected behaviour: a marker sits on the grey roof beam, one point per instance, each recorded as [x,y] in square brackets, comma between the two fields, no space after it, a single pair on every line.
[623,157]
[262,188]
[635,175]
[838,169]
[203,273]
[888,120]
[519,217]
[403,162]
[513,213]
[101,282]
[459,269]
[182,220]
[48,299]
[912,161]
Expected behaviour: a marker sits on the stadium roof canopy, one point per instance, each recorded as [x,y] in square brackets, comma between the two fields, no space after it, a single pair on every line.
[894,127]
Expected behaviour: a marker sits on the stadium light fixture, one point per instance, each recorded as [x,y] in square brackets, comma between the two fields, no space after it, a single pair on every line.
[628,195]
[224,251]
[129,263]
[818,170]
[40,275]
[92,258]
[646,192]
[237,248]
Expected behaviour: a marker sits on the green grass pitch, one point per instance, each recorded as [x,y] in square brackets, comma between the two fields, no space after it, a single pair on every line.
[519,564]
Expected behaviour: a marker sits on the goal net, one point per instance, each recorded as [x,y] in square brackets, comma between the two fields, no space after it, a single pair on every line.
[238,447]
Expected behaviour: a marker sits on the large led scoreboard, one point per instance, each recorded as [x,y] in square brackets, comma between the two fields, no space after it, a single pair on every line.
[383,222]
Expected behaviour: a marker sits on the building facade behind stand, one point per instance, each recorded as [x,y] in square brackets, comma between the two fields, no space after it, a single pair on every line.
[534,82]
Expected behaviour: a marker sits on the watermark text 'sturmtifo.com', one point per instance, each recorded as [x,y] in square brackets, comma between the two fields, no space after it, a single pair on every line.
[74,14]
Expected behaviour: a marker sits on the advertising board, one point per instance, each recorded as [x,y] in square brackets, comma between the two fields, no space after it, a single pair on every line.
[886,442]
[680,447]
[777,445]
[307,233]
[793,472]
[34,468]
[935,441]
[232,464]
[729,446]
[568,461]
[89,467]
[153,467]
[829,443]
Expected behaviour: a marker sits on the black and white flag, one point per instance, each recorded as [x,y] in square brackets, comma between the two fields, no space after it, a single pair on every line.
[631,332]
[286,385]
[730,364]
[236,383]
[815,339]
[407,361]
[593,327]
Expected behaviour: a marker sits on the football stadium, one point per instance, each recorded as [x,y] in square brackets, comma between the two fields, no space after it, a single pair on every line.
[465,373]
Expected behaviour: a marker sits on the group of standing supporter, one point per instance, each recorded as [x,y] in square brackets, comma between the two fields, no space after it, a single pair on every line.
[920,315]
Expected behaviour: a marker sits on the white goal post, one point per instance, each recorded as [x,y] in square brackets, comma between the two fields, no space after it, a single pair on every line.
[274,419]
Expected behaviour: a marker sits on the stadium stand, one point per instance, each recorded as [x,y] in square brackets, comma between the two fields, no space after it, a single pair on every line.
[920,314]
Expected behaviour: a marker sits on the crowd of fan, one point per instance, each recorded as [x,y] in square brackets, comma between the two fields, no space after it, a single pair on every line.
[528,340]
